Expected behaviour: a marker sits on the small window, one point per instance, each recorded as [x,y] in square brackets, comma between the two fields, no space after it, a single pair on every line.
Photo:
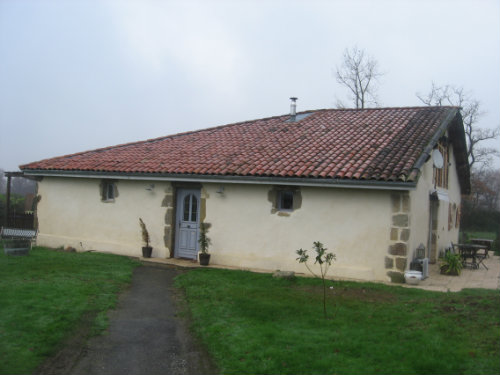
[108,191]
[285,200]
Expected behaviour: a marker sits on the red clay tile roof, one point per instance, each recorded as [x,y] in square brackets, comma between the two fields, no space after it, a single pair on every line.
[381,144]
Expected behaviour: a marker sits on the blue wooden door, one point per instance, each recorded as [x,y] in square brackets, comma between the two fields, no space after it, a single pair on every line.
[187,223]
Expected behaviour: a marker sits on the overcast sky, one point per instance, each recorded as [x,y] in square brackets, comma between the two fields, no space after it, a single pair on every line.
[78,75]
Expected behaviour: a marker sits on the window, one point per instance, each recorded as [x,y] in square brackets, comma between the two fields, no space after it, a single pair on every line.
[441,174]
[108,191]
[190,208]
[285,200]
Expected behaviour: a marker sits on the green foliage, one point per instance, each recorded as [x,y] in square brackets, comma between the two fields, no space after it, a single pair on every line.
[496,244]
[324,260]
[145,233]
[485,223]
[452,263]
[474,219]
[45,296]
[204,240]
[487,235]
[252,323]
[16,206]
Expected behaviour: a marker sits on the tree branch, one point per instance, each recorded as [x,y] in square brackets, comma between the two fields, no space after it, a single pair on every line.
[358,74]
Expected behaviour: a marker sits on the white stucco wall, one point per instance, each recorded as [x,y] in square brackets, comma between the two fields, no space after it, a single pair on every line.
[420,208]
[71,213]
[353,224]
[245,232]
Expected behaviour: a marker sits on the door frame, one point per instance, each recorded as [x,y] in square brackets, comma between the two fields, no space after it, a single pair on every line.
[178,215]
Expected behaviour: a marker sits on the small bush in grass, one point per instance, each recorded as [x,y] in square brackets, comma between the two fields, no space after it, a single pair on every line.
[324,260]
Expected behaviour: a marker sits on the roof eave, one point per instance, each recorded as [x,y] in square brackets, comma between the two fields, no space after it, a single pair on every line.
[454,123]
[228,179]
[426,153]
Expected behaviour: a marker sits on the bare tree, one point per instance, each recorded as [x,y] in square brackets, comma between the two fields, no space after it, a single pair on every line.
[359,74]
[485,188]
[471,112]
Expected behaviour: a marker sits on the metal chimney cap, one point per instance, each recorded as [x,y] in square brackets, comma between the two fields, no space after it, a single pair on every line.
[293,106]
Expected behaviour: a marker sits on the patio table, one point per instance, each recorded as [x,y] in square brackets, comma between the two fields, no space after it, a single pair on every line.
[470,251]
[487,243]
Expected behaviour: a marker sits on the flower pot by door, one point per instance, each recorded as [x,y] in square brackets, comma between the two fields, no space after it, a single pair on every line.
[204,259]
[146,251]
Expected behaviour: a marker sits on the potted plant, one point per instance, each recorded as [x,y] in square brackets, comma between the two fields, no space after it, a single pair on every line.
[146,250]
[452,264]
[204,242]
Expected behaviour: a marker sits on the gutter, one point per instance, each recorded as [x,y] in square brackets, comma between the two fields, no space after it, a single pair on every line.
[289,181]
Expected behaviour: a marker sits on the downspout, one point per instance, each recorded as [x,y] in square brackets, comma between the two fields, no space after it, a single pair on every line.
[429,238]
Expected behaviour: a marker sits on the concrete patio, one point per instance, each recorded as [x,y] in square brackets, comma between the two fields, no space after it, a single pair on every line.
[469,278]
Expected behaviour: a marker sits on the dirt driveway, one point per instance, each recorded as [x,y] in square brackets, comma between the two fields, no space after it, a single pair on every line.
[145,335]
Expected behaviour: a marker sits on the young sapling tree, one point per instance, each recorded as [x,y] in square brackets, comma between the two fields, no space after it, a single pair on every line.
[324,260]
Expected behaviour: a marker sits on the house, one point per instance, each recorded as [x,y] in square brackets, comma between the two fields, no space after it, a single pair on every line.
[371,184]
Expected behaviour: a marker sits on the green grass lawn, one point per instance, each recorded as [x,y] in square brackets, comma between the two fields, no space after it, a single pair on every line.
[44,297]
[487,235]
[254,324]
